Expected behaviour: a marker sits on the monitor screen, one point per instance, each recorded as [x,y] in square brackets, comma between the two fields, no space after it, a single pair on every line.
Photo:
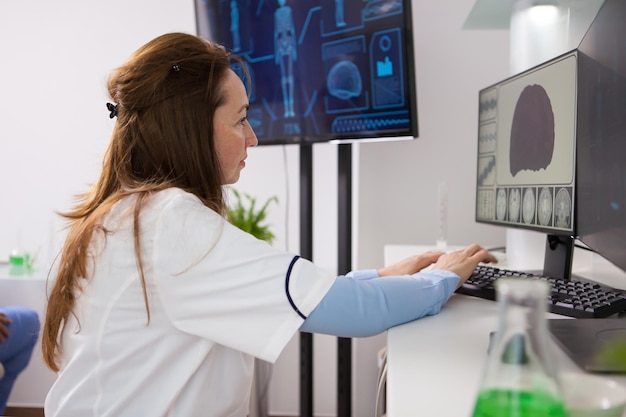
[323,70]
[526,168]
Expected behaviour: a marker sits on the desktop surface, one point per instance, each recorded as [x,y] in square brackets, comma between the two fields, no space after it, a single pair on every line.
[435,364]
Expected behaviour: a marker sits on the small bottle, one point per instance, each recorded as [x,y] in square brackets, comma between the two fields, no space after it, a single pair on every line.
[520,377]
[19,261]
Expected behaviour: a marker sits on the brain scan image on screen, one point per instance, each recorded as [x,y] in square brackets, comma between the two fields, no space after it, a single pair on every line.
[515,201]
[536,125]
[344,80]
[527,146]
[563,208]
[532,131]
[501,204]
[544,206]
[528,206]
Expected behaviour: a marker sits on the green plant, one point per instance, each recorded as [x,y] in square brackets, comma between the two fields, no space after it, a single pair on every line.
[248,218]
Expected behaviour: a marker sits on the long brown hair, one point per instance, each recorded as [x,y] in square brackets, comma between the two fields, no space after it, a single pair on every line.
[166,95]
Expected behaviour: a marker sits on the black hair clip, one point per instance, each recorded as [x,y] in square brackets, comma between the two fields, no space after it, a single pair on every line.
[113,109]
[175,68]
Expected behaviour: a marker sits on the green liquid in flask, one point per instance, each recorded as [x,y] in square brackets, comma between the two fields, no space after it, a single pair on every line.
[510,403]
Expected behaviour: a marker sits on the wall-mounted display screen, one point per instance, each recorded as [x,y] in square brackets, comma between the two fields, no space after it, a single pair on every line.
[321,70]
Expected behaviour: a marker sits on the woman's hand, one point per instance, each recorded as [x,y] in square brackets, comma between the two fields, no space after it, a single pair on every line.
[4,331]
[410,265]
[463,262]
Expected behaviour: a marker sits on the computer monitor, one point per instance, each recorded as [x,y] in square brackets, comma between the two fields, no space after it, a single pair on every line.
[526,168]
[552,147]
[589,109]
[321,70]
[601,217]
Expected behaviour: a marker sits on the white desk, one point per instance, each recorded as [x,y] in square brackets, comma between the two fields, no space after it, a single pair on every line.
[435,364]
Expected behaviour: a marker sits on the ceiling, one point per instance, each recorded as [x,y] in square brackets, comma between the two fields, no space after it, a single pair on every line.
[490,14]
[496,14]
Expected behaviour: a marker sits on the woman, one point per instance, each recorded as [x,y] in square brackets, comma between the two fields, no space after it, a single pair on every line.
[159,305]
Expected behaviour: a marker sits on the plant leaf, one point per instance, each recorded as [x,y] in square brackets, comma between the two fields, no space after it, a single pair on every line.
[248,218]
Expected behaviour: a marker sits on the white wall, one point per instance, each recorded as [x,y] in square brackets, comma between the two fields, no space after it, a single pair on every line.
[54,127]
[55,57]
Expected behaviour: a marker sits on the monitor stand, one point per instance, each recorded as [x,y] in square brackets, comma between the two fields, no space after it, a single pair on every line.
[559,256]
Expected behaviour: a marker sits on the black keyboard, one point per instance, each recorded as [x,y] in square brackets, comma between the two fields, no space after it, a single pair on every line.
[573,298]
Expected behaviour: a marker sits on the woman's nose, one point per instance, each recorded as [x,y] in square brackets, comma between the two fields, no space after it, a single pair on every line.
[252,139]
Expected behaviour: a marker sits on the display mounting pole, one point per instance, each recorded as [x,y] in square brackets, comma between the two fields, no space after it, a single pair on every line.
[306,251]
[344,262]
[344,265]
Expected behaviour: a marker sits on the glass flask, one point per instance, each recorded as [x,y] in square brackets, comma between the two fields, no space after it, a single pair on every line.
[520,377]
